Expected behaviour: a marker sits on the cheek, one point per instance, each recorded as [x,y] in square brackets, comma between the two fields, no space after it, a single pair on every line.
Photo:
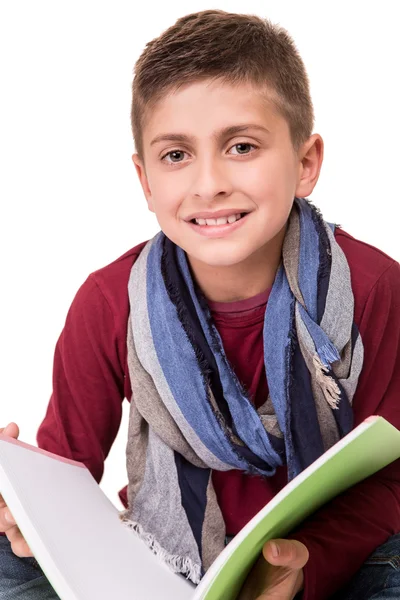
[164,198]
[166,209]
[275,197]
[274,177]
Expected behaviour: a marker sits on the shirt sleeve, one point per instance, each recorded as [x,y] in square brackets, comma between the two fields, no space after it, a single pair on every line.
[347,530]
[85,408]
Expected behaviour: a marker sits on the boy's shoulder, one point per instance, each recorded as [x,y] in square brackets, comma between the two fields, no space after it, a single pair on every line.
[119,269]
[370,268]
[367,263]
[109,286]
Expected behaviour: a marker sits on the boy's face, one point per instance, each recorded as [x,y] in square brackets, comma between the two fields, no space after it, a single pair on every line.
[217,151]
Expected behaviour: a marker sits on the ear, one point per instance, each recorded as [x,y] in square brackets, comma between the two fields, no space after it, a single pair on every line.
[141,171]
[310,155]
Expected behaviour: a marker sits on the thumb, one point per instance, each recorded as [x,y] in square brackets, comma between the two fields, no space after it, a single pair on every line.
[11,430]
[286,553]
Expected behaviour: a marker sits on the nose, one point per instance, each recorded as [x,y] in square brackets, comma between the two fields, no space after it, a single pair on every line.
[211,179]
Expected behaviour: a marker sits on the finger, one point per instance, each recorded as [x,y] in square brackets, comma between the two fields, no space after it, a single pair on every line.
[286,553]
[6,519]
[11,430]
[18,543]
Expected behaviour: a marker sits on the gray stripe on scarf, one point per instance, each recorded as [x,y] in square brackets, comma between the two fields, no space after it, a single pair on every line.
[338,316]
[136,452]
[291,255]
[161,475]
[147,355]
[155,412]
[268,418]
[213,532]
[342,368]
[337,320]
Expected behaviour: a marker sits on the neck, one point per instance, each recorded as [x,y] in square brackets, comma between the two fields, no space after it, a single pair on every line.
[241,281]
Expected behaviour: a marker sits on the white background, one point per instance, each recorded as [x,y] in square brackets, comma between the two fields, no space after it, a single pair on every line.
[70,201]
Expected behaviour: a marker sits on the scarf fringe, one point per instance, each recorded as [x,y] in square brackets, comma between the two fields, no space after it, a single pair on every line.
[328,354]
[178,564]
[328,385]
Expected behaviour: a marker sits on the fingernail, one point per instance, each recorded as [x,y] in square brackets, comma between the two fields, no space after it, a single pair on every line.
[8,518]
[274,550]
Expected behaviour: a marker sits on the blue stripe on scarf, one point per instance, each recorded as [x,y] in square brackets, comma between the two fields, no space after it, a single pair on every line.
[314,264]
[180,296]
[278,351]
[309,258]
[175,351]
[247,422]
[279,320]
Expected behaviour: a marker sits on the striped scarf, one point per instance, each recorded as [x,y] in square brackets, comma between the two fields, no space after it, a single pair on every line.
[189,412]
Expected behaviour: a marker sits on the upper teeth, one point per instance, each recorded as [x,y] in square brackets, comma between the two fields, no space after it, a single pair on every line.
[219,221]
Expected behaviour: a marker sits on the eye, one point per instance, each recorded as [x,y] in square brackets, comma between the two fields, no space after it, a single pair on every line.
[176,156]
[243,148]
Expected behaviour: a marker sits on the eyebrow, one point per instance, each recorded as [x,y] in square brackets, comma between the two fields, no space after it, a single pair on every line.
[218,135]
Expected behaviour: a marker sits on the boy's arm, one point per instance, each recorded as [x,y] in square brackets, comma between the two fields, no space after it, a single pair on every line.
[342,535]
[85,409]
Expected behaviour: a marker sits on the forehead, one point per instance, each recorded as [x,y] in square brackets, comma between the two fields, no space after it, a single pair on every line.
[201,108]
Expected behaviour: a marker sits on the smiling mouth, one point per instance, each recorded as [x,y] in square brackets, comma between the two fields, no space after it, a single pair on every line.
[219,221]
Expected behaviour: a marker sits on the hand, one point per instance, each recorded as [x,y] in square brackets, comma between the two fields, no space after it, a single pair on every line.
[278,573]
[7,523]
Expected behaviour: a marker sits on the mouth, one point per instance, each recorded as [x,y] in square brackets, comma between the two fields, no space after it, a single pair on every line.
[218,221]
[218,226]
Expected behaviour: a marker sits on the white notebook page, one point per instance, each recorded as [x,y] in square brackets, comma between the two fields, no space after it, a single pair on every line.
[75,533]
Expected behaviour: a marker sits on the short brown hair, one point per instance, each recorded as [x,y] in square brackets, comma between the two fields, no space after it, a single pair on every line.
[233,48]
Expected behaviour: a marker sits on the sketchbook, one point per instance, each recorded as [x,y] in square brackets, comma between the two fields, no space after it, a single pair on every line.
[86,552]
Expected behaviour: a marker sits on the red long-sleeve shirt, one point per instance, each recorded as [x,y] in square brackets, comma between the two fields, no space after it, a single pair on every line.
[91,379]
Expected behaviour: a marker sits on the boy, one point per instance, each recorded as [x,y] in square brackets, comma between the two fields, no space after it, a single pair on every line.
[231,399]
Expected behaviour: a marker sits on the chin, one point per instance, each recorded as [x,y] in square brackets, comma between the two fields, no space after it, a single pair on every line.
[222,258]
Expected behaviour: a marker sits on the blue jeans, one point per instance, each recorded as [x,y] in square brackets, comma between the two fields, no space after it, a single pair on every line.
[22,578]
[378,579]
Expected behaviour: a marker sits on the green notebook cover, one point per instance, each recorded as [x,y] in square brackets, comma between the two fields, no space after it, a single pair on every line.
[367,449]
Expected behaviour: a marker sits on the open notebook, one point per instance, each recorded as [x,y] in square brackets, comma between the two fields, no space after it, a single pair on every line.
[86,552]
